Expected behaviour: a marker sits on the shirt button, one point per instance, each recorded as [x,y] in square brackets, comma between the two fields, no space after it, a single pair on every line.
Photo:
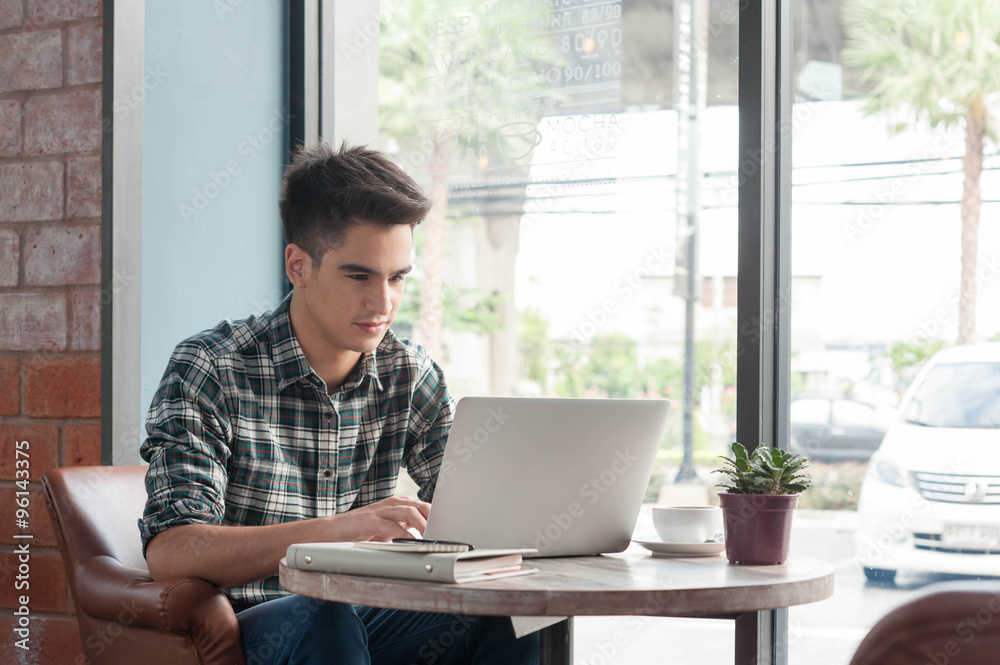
[327,473]
[328,416]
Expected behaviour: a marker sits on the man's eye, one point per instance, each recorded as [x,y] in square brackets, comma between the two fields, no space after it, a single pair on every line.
[358,278]
[398,278]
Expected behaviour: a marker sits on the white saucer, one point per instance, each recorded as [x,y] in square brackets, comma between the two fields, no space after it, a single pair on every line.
[659,548]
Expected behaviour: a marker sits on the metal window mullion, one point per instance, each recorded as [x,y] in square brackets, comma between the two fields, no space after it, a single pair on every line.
[782,240]
[750,215]
[304,72]
[763,316]
[769,219]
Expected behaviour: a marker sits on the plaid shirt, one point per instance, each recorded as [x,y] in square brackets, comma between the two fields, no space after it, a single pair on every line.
[241,431]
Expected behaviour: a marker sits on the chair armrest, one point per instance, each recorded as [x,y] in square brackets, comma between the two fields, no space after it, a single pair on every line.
[110,591]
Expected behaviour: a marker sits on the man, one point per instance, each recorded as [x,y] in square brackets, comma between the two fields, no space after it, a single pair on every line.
[292,427]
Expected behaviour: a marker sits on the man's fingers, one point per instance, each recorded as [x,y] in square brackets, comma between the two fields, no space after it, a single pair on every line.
[422,506]
[408,515]
[392,530]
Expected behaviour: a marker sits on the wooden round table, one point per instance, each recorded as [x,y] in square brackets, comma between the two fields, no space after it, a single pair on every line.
[631,583]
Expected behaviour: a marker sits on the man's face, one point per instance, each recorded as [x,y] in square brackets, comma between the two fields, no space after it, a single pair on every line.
[351,299]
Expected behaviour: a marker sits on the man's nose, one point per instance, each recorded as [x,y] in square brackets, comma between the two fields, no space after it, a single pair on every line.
[380,299]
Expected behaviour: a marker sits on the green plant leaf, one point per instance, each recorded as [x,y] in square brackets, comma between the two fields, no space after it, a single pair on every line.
[765,471]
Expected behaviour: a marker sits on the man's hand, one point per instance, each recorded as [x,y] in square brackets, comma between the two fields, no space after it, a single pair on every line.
[382,521]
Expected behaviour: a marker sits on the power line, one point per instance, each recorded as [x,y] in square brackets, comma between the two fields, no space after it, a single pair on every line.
[469,190]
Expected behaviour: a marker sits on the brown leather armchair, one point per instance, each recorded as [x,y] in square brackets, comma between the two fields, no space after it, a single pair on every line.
[952,623]
[124,616]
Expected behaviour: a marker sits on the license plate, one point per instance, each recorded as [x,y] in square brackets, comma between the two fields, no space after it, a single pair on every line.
[971,537]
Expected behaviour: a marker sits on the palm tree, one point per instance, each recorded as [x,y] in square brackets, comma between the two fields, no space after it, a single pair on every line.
[935,61]
[418,111]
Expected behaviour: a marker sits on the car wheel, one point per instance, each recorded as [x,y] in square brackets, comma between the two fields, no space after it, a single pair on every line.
[880,575]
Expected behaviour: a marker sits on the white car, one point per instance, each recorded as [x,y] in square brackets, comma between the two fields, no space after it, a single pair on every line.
[930,501]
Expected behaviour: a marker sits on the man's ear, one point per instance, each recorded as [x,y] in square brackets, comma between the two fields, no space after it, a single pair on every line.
[298,264]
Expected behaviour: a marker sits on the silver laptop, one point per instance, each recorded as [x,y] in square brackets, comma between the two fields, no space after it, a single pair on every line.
[564,476]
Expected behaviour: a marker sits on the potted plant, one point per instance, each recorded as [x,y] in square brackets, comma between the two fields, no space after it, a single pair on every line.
[762,490]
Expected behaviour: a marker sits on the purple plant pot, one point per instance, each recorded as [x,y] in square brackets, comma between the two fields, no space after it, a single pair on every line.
[758,526]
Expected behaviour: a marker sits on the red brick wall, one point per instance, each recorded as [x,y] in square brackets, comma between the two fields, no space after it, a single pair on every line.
[50,296]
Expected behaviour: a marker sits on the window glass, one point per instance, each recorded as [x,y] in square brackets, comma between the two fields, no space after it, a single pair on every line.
[852,413]
[893,259]
[555,261]
[810,411]
[550,141]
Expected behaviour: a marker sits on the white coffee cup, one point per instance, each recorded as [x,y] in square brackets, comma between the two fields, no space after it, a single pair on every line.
[687,524]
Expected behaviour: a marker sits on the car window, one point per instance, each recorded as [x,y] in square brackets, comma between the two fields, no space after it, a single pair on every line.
[853,414]
[809,411]
[958,395]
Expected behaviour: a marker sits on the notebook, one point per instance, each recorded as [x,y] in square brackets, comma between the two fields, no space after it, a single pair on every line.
[444,567]
[563,476]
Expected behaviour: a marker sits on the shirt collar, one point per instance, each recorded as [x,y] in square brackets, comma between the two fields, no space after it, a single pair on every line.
[290,364]
[369,368]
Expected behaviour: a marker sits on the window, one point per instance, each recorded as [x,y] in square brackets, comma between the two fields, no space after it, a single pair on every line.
[877,227]
[555,261]
[551,263]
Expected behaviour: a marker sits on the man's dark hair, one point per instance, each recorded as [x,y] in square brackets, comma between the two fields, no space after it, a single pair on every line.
[325,191]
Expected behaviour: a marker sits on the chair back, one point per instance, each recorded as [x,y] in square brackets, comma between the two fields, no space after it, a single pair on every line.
[951,622]
[95,510]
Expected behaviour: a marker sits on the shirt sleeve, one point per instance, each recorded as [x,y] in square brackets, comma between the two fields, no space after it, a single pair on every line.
[433,410]
[187,429]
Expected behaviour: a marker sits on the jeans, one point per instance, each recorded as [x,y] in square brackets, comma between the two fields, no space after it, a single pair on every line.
[296,630]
